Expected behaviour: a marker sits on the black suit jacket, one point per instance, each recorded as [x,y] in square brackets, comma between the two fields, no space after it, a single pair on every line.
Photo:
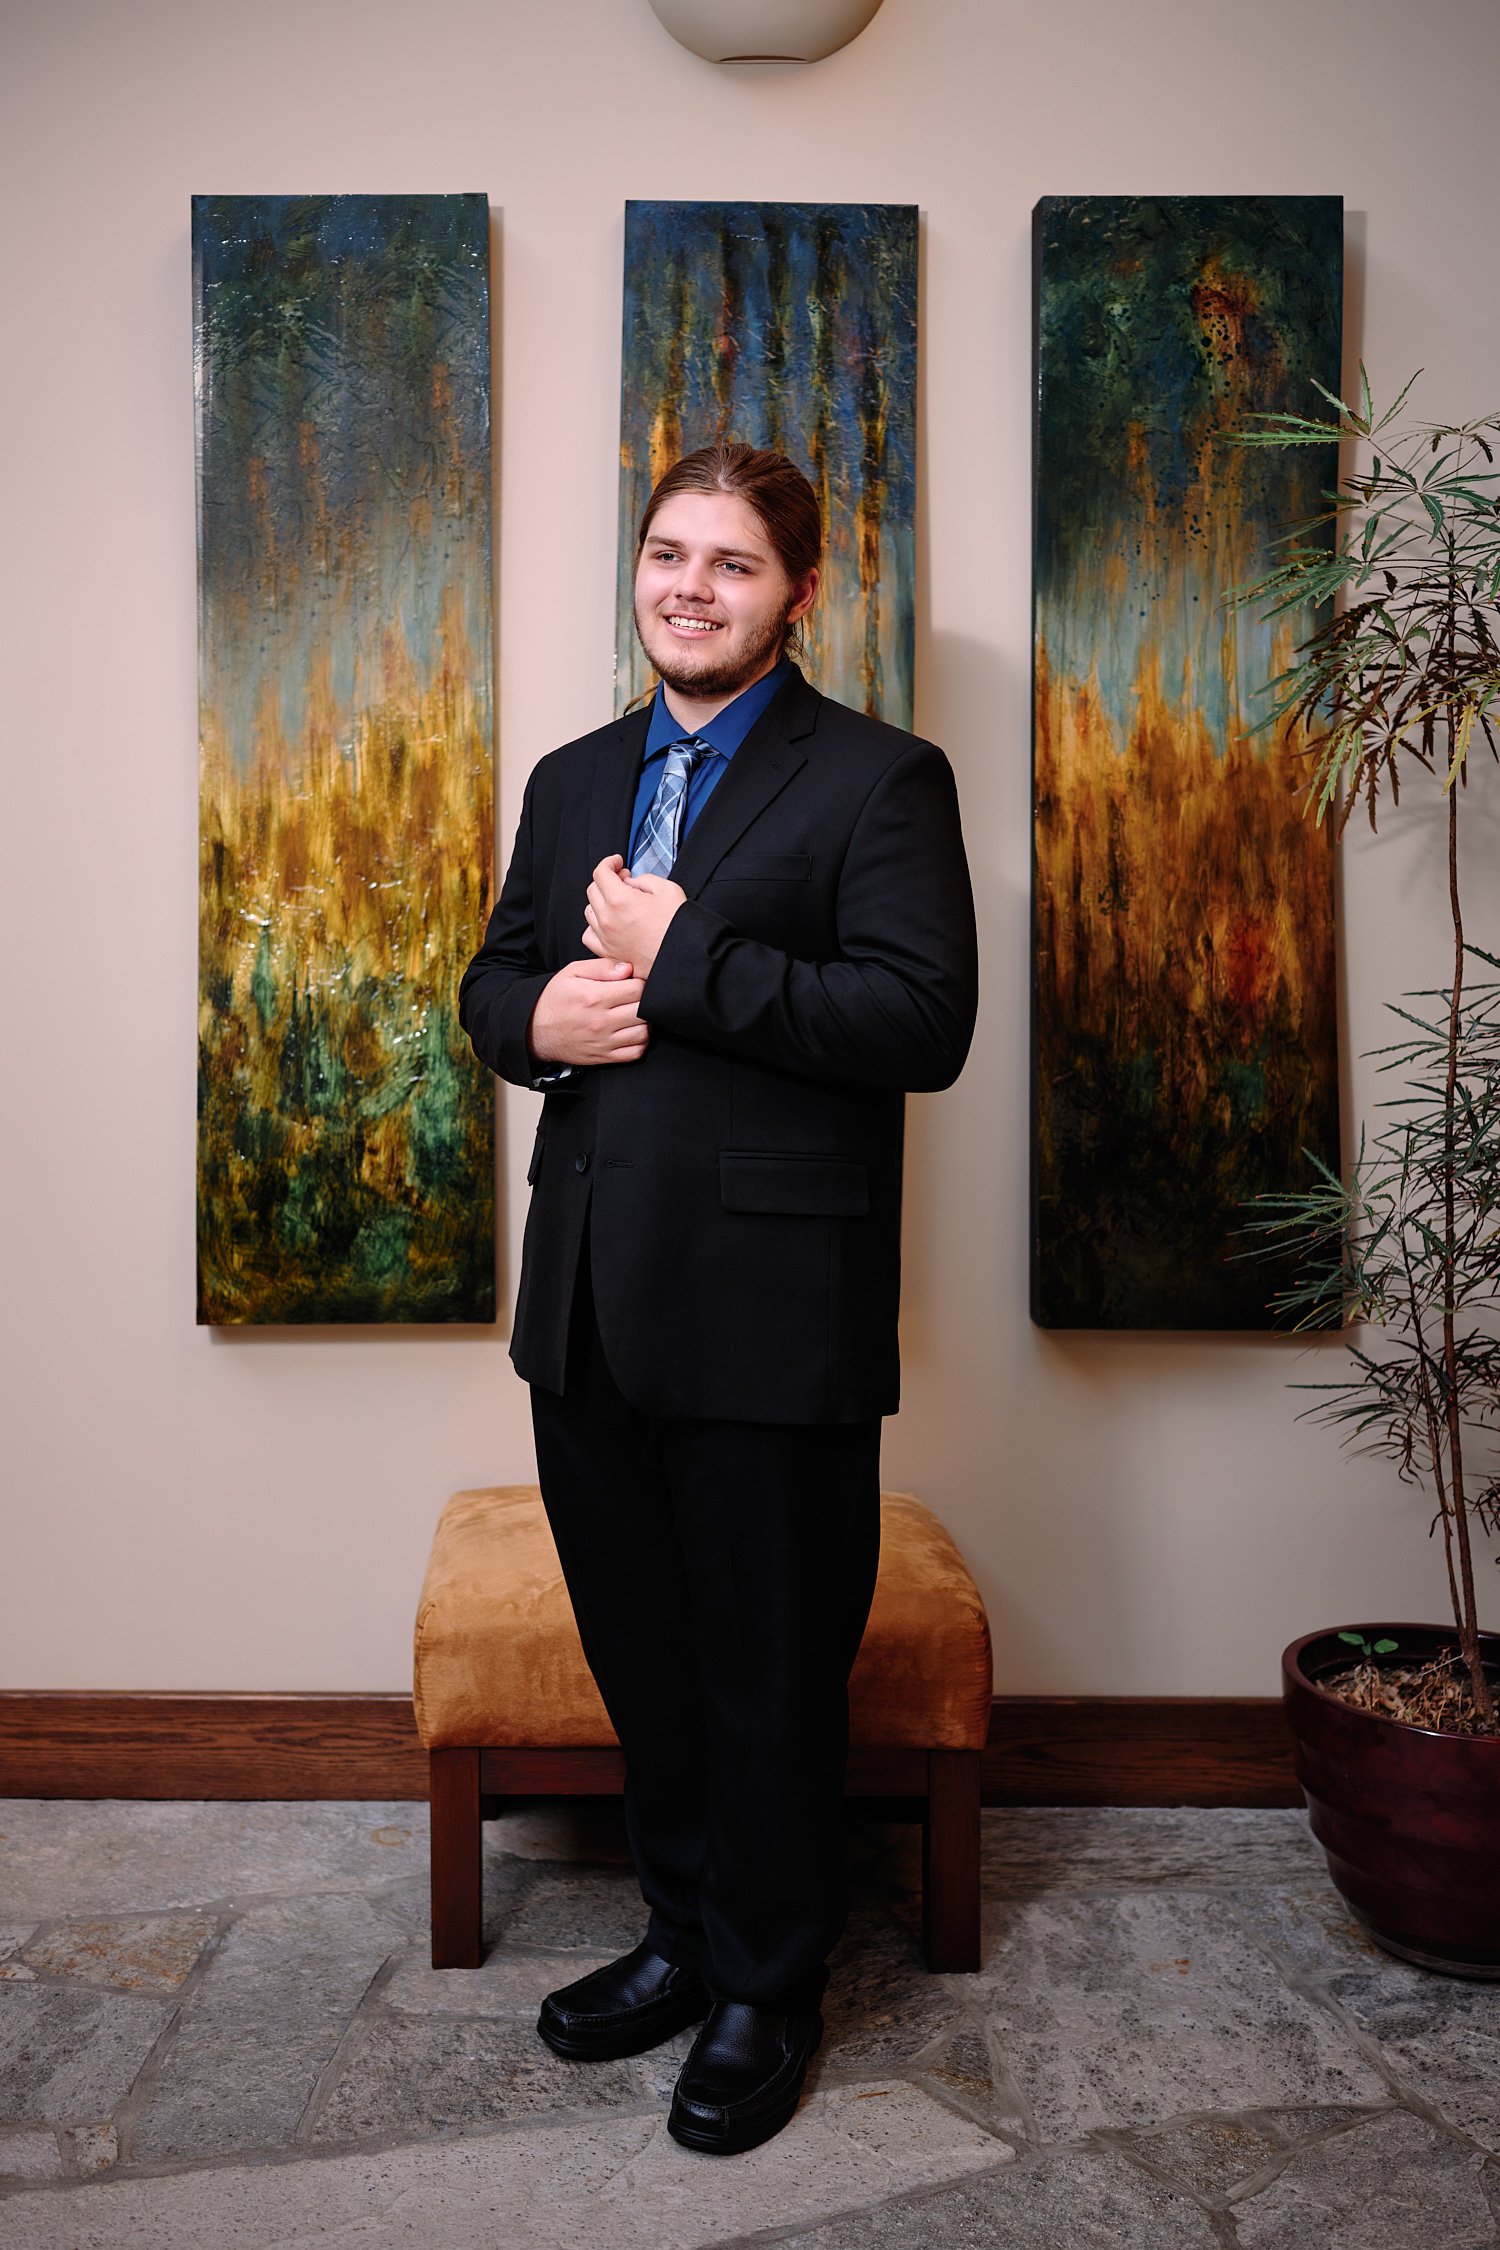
[745,1175]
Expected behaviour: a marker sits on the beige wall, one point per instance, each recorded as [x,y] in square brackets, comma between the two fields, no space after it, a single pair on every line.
[194,1510]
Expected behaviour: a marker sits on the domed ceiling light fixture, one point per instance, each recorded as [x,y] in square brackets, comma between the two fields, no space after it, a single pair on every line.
[762,31]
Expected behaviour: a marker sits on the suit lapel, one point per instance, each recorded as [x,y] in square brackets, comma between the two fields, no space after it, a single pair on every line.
[760,769]
[615,778]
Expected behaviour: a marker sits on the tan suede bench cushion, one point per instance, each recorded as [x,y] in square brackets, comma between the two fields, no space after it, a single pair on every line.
[498,1661]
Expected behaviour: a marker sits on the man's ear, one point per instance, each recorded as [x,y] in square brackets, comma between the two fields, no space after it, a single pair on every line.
[803,597]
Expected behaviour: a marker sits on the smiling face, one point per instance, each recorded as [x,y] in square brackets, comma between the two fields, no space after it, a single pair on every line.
[713,602]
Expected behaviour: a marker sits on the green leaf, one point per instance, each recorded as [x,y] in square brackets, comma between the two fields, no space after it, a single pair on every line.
[1356,1640]
[1298,422]
[1312,435]
[1392,411]
[1355,421]
[1460,748]
[1385,1648]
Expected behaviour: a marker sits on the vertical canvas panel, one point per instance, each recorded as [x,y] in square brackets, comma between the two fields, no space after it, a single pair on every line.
[792,325]
[346,1133]
[1184,1022]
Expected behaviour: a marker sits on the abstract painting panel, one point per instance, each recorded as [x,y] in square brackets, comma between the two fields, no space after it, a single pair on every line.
[345,1132]
[1184,1020]
[791,325]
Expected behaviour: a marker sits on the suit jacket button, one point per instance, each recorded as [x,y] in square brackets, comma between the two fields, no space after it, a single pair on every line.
[580,1163]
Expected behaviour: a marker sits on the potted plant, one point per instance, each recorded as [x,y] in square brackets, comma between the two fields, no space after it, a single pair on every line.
[1397,1726]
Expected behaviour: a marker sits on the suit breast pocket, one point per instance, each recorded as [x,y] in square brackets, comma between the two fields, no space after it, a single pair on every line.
[765,867]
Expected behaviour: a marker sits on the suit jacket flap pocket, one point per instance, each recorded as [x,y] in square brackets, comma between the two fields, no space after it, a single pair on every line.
[803,1186]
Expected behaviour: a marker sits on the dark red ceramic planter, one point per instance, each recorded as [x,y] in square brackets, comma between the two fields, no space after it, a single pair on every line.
[1409,1818]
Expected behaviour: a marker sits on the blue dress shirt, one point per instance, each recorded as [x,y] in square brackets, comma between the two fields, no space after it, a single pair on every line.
[723,734]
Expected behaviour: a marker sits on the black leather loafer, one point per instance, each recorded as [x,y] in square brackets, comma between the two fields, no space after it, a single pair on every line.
[742,2077]
[634,2003]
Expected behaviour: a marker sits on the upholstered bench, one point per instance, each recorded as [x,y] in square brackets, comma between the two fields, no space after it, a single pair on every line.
[506,1705]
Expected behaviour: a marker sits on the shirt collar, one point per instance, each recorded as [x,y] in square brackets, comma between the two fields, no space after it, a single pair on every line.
[726,732]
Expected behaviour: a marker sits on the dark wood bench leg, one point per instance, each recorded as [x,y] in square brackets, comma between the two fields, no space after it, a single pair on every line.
[457,1860]
[950,1860]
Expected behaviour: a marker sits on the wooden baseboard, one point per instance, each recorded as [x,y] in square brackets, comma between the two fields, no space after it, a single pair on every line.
[68,1744]
[1139,1750]
[1043,1749]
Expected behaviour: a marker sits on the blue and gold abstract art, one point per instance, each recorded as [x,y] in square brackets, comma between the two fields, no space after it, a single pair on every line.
[345,1131]
[1185,1050]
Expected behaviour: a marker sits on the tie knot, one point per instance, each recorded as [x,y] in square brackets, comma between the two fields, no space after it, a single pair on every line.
[691,749]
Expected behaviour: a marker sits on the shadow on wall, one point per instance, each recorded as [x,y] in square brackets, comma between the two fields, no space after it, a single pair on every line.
[973,1135]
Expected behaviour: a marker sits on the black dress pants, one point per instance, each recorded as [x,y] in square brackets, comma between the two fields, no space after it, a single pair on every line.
[721,1574]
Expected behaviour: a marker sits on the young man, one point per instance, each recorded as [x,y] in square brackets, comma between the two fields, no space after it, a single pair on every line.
[736,929]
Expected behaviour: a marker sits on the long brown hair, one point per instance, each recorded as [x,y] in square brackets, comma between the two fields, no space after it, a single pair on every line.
[768,482]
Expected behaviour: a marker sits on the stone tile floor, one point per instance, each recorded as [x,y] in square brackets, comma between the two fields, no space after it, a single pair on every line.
[218,2026]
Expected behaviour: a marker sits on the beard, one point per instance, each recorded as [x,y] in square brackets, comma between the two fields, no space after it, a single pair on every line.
[718,671]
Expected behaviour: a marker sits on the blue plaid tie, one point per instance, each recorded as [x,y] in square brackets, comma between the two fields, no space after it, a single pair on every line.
[661,829]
